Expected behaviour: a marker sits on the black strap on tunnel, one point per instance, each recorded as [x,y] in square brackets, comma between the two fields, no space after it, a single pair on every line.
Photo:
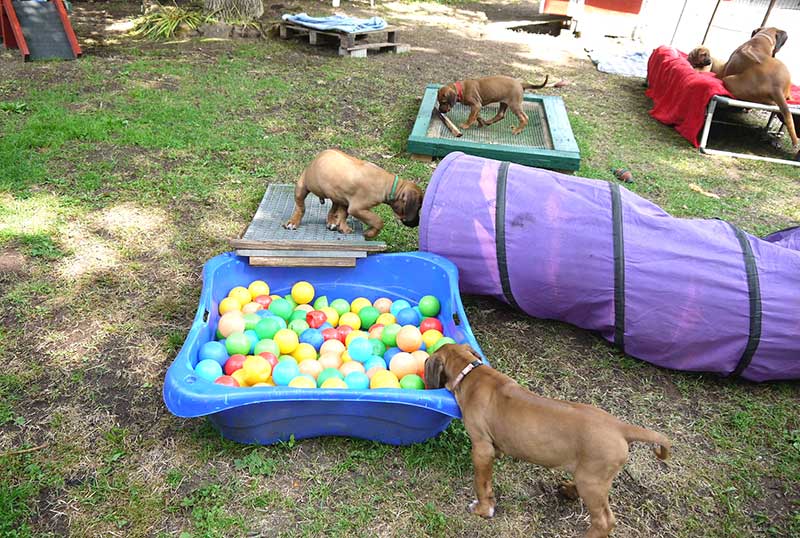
[619,267]
[754,291]
[500,233]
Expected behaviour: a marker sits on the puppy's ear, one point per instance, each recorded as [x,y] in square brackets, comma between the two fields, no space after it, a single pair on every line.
[434,372]
[412,200]
[451,98]
[780,41]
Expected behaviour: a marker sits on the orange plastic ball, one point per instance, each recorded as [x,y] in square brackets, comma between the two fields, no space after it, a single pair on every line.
[383,304]
[251,308]
[420,357]
[330,360]
[230,323]
[403,364]
[376,331]
[312,368]
[409,339]
[331,346]
[350,367]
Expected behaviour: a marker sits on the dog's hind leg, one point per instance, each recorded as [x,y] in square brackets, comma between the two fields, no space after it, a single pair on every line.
[593,490]
[482,459]
[516,108]
[300,193]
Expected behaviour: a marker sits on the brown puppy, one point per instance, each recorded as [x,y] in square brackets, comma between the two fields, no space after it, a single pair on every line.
[754,74]
[476,93]
[701,60]
[354,187]
[503,417]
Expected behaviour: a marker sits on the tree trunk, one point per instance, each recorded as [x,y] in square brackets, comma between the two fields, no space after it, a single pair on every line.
[235,10]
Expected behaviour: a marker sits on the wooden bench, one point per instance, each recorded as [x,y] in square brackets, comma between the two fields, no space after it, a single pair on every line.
[347,40]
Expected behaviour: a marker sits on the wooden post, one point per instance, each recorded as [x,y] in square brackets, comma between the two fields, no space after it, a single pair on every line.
[767,14]
[710,21]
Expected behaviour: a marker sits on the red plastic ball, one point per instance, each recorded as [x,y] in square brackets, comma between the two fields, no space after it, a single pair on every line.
[271,358]
[431,323]
[343,331]
[233,363]
[316,318]
[263,300]
[226,380]
[330,333]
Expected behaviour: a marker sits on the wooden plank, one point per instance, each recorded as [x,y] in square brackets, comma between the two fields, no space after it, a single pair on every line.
[302,253]
[302,262]
[294,25]
[368,246]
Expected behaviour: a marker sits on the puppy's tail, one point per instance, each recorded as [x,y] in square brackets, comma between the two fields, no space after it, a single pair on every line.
[635,433]
[535,86]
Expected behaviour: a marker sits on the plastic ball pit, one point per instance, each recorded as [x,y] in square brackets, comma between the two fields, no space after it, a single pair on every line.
[265,414]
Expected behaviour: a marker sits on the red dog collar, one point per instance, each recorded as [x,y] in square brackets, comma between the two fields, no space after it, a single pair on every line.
[467,369]
[459,91]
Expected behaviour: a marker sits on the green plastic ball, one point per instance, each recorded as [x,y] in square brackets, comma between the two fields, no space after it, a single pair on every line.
[378,347]
[287,358]
[389,334]
[250,321]
[321,302]
[412,382]
[267,345]
[440,342]
[340,305]
[429,306]
[281,308]
[328,373]
[368,315]
[290,300]
[297,314]
[237,344]
[267,327]
[298,326]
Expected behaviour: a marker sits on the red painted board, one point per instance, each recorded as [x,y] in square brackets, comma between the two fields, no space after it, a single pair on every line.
[73,40]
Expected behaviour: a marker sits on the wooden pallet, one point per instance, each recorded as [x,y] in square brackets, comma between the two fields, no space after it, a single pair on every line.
[347,41]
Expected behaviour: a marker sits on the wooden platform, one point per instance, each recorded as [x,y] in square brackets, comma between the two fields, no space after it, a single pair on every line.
[348,42]
[267,243]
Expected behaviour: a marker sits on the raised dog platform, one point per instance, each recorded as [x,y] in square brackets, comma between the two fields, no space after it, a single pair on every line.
[267,243]
[346,40]
[546,142]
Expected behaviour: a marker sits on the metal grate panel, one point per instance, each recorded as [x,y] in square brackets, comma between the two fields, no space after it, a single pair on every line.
[43,30]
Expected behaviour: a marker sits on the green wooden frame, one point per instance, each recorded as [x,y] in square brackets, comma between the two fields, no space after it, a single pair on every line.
[565,154]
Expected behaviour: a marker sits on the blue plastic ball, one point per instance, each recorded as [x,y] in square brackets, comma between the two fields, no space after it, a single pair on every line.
[360,349]
[264,313]
[325,325]
[208,369]
[313,337]
[284,372]
[407,316]
[374,361]
[252,337]
[214,351]
[357,381]
[399,305]
[391,352]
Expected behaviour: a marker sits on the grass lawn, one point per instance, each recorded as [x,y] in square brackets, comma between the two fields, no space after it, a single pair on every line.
[121,173]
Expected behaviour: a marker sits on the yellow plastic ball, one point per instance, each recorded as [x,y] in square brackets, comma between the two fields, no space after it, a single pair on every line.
[256,369]
[241,294]
[230,304]
[430,337]
[273,297]
[353,335]
[304,352]
[333,315]
[346,357]
[287,341]
[351,319]
[258,287]
[268,383]
[358,304]
[384,379]
[302,292]
[303,382]
[336,383]
[241,377]
[385,319]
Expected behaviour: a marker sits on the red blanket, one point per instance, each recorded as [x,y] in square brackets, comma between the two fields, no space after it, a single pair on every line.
[680,94]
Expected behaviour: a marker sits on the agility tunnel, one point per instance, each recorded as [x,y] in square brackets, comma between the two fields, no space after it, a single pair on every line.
[688,294]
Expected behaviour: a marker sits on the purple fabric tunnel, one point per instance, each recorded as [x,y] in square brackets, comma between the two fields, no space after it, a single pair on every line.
[689,294]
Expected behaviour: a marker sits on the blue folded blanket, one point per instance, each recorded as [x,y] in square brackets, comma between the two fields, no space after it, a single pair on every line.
[337,22]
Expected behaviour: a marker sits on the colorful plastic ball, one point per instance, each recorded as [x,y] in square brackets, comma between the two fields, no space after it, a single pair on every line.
[409,338]
[302,292]
[263,300]
[303,382]
[287,340]
[439,343]
[240,377]
[312,368]
[214,351]
[419,314]
[257,369]
[357,381]
[403,364]
[372,371]
[226,380]
[241,294]
[360,349]
[306,308]
[258,288]
[383,304]
[430,337]
[346,356]
[267,345]
[218,335]
[330,360]
[391,352]
[321,302]
[316,318]
[233,363]
[351,366]
[231,323]
[352,335]
[378,347]
[208,369]
[429,306]
[272,359]
[375,362]
[331,346]
[359,303]
[251,308]
[331,315]
[376,331]
[408,316]
[384,379]
[304,352]
[237,343]
[412,382]
[334,383]
[313,337]
[389,335]
[343,331]
[420,357]
[264,313]
[325,325]
[330,334]
[267,327]
[229,304]
[350,319]
[328,373]
[430,323]
[385,319]
[368,316]
[297,314]
[284,372]
[252,337]
[398,305]
[299,326]
[340,305]
[281,308]
[287,358]
[268,383]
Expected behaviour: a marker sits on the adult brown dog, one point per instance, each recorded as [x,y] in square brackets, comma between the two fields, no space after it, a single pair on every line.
[475,93]
[503,417]
[354,187]
[702,61]
[754,74]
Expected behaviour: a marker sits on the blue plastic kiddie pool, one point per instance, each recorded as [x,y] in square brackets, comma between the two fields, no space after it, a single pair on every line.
[265,415]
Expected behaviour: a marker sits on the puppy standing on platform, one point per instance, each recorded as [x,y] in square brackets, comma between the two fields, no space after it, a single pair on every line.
[475,93]
[502,417]
[354,187]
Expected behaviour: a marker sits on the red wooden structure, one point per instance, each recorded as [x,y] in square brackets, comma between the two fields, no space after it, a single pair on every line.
[14,38]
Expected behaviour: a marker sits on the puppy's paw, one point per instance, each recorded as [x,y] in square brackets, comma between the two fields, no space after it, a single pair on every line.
[569,491]
[372,232]
[516,131]
[464,125]
[345,229]
[483,511]
[290,225]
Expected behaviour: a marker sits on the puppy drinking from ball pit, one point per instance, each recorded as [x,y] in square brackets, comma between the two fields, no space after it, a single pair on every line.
[354,187]
[475,93]
[501,417]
